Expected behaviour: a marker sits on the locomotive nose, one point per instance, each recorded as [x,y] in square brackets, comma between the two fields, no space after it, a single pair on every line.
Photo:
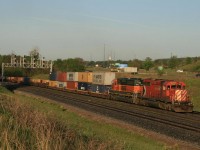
[181,95]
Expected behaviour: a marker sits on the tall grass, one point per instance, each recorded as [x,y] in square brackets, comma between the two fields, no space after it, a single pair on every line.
[23,127]
[193,86]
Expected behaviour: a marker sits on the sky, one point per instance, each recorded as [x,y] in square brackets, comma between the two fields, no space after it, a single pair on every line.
[126,29]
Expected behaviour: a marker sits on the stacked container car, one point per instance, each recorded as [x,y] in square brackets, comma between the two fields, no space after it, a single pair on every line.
[101,83]
[72,81]
[52,80]
[35,82]
[84,82]
[61,79]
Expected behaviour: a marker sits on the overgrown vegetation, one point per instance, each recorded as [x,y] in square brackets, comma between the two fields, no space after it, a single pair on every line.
[66,65]
[24,127]
[29,123]
[194,87]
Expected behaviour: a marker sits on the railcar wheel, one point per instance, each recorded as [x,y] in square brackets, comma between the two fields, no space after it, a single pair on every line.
[163,106]
[169,107]
[136,101]
[110,97]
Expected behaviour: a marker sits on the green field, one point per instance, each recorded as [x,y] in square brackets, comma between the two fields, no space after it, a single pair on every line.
[33,123]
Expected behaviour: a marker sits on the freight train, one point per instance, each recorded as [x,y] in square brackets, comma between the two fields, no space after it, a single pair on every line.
[159,93]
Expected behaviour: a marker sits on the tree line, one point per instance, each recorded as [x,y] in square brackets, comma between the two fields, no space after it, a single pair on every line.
[78,64]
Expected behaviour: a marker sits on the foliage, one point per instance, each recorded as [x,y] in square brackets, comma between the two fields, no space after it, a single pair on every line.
[34,123]
[76,64]
[193,85]
[91,64]
[195,59]
[196,68]
[161,62]
[147,64]
[173,62]
[160,72]
[35,53]
[24,127]
[14,72]
[188,60]
[135,63]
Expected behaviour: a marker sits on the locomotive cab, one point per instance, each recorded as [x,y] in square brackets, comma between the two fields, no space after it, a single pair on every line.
[175,91]
[133,85]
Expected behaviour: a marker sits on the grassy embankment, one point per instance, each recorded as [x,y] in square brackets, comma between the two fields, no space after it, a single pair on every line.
[30,123]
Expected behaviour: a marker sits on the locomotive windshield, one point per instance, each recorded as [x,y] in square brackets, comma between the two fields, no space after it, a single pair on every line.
[130,81]
[176,86]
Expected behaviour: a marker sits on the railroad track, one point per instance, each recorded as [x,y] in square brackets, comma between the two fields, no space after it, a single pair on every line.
[190,119]
[187,126]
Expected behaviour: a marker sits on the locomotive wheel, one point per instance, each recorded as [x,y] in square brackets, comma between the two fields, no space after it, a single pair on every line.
[169,107]
[136,101]
[110,97]
[162,106]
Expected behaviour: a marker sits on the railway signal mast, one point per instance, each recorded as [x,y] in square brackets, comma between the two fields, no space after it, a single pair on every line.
[20,62]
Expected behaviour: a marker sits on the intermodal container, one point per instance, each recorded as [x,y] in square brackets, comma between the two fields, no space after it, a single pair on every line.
[13,79]
[8,79]
[35,81]
[85,86]
[26,81]
[72,76]
[61,84]
[44,81]
[73,85]
[100,88]
[103,78]
[53,83]
[85,77]
[130,69]
[31,80]
[52,76]
[20,79]
[62,76]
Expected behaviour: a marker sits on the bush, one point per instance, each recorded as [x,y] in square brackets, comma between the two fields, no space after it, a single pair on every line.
[23,127]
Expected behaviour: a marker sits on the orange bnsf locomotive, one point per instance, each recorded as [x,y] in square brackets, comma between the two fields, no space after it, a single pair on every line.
[127,89]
